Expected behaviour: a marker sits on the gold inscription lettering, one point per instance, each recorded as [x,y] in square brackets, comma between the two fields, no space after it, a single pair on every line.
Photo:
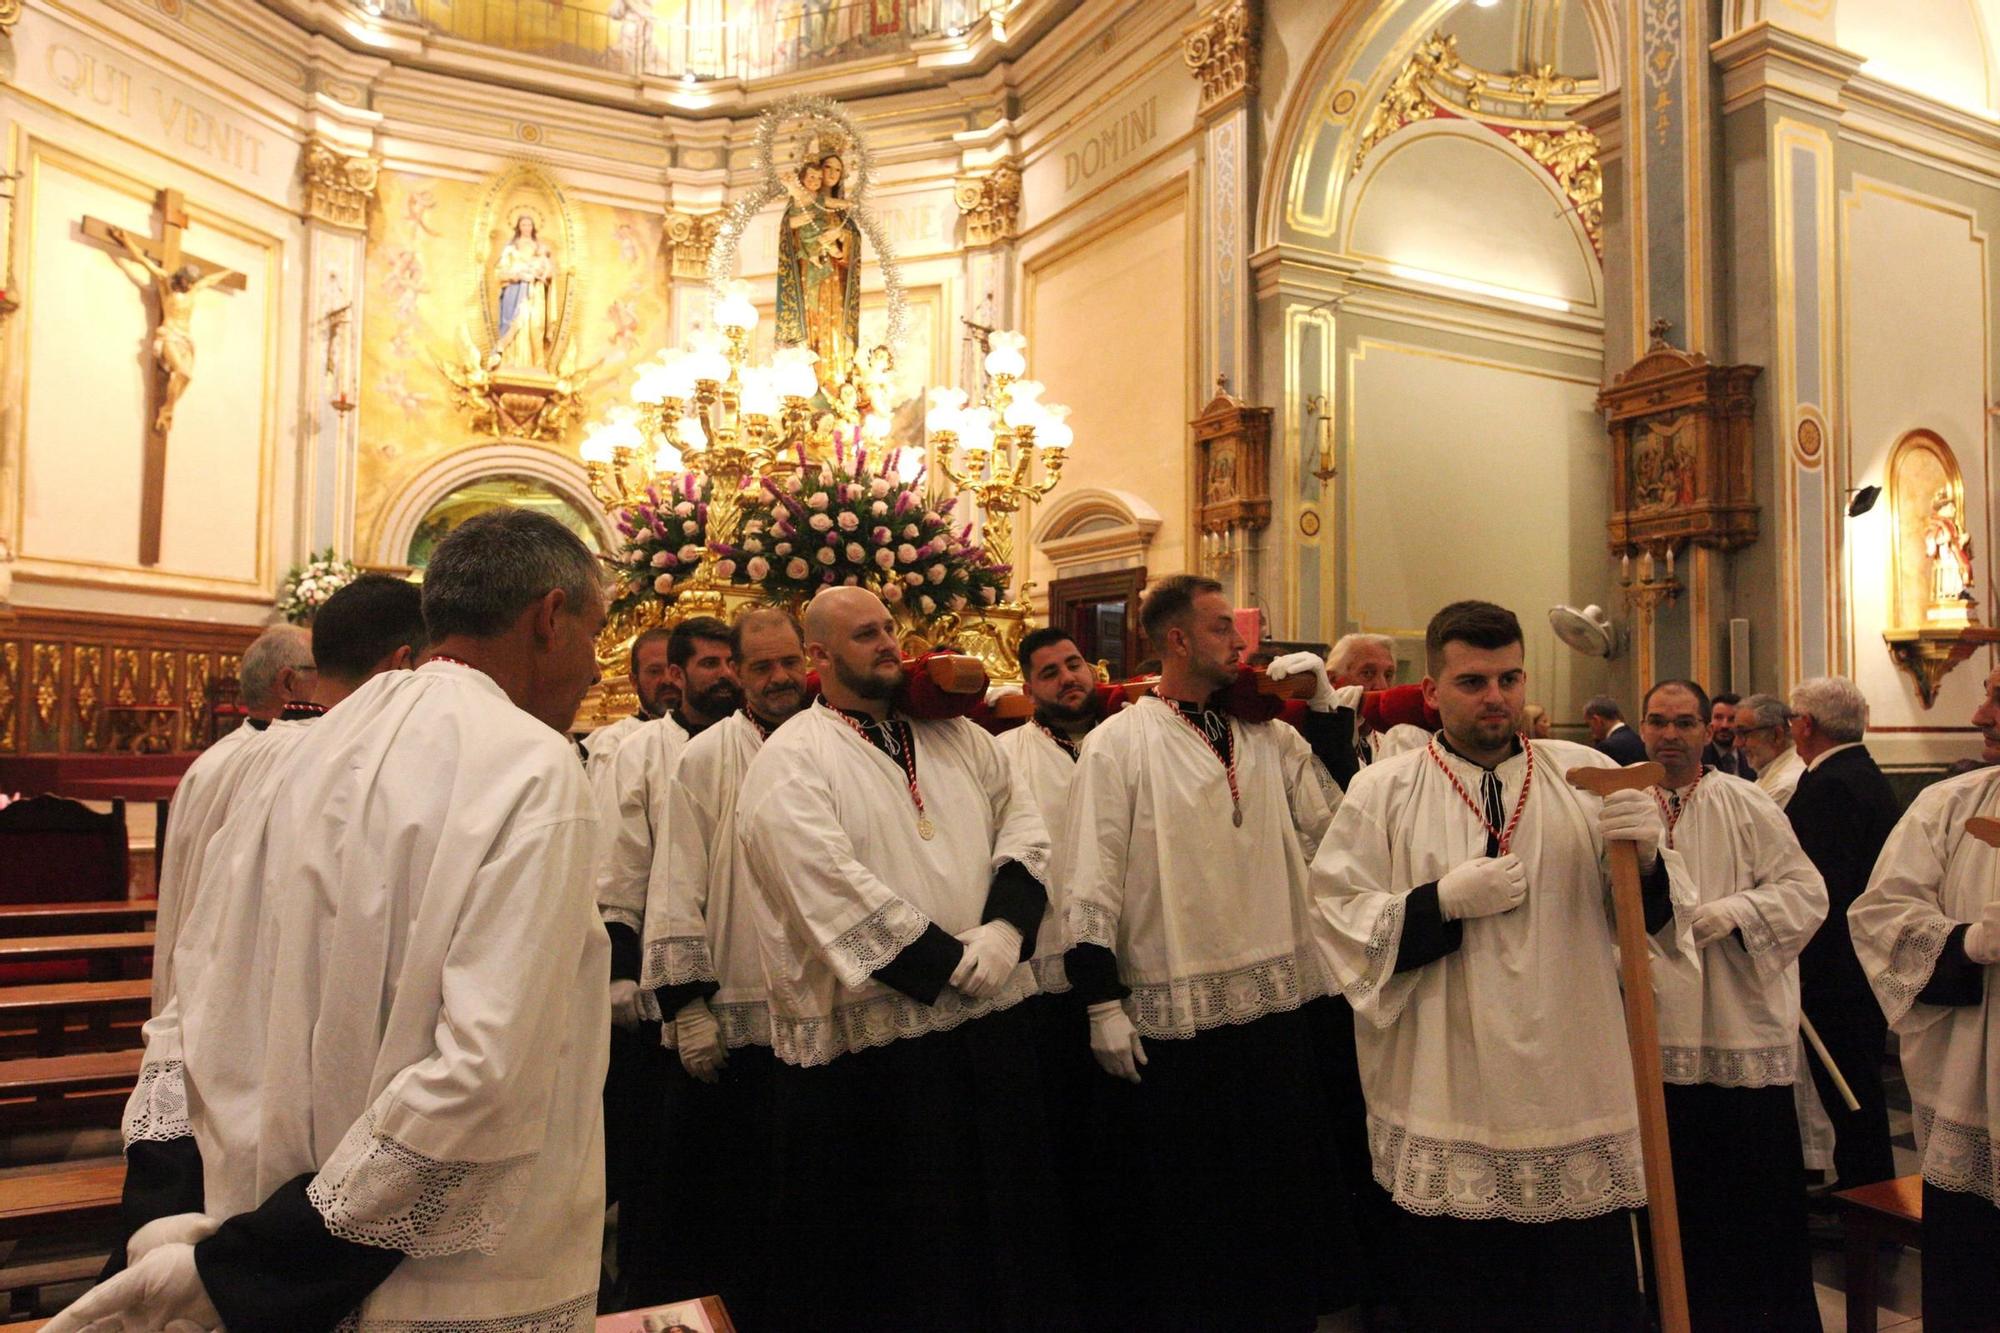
[1112,144]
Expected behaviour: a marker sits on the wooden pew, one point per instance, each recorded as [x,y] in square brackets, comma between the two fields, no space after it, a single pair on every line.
[106,957]
[47,1203]
[70,1016]
[23,919]
[89,1087]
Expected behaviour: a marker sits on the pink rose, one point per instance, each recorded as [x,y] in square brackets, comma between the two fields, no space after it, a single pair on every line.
[885,558]
[685,509]
[878,509]
[663,584]
[926,605]
[782,549]
[820,522]
[817,500]
[725,569]
[849,521]
[879,486]
[824,555]
[892,592]
[661,559]
[753,546]
[690,528]
[759,568]
[957,603]
[855,554]
[690,553]
[913,578]
[935,573]
[907,553]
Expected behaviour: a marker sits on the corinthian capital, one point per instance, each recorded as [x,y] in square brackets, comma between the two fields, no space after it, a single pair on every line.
[991,204]
[338,185]
[1222,52]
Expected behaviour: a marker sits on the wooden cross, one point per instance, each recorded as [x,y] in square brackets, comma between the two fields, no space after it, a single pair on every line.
[172,342]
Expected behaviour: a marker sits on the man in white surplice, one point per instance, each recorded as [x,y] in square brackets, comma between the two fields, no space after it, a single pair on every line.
[652,686]
[902,883]
[701,964]
[373,624]
[1729,1030]
[277,666]
[1463,894]
[1184,865]
[631,797]
[394,1041]
[1927,930]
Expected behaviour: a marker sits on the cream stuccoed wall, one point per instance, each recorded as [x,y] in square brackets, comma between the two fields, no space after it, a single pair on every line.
[98,118]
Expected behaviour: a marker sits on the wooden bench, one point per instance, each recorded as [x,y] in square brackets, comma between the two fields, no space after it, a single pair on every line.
[20,919]
[23,1283]
[44,1013]
[1888,1211]
[49,1202]
[108,956]
[89,1087]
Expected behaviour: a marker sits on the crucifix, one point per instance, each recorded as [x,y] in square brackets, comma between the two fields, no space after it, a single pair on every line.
[176,279]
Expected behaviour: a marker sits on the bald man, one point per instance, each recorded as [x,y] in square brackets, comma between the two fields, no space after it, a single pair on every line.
[900,889]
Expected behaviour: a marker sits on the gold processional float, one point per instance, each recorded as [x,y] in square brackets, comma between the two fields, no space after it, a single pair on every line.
[737,483]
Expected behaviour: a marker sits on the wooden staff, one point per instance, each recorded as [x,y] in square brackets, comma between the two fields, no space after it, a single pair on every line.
[1984,829]
[954,673]
[1847,1096]
[1642,1036]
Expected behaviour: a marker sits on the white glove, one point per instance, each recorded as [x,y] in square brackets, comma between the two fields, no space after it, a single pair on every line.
[1982,938]
[1633,816]
[1115,1042]
[1711,922]
[161,1291]
[625,1003]
[1300,664]
[992,952]
[702,1050]
[1483,886]
[180,1229]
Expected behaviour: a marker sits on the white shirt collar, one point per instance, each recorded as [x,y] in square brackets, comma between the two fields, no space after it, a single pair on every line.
[1825,755]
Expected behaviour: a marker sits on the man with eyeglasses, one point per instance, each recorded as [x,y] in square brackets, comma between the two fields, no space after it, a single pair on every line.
[1763,734]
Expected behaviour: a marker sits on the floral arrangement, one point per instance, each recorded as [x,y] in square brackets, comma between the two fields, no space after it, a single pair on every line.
[665,534]
[307,586]
[851,521]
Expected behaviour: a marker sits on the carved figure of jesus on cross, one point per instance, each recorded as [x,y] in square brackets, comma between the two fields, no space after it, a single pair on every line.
[176,279]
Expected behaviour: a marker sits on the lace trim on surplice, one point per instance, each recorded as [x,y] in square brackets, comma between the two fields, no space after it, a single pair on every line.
[675,961]
[879,937]
[1434,1177]
[881,1019]
[1911,961]
[1093,925]
[1775,1066]
[1187,1005]
[1957,1156]
[157,1111]
[742,1023]
[376,1191]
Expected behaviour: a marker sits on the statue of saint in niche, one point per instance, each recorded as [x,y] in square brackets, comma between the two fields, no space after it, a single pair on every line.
[1948,546]
[525,270]
[819,265]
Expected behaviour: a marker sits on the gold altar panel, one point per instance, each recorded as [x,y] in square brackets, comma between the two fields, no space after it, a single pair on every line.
[425,267]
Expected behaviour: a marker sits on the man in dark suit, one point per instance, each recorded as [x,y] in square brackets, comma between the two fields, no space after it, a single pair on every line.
[1722,753]
[1609,733]
[1843,811]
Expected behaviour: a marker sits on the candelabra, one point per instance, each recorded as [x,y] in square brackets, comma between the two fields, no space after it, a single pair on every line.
[1650,591]
[991,451]
[706,411]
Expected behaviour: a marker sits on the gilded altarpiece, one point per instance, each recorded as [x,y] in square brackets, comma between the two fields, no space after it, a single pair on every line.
[76,681]
[432,294]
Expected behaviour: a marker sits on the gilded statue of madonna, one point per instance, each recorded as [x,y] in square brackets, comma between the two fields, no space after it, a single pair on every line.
[525,270]
[819,266]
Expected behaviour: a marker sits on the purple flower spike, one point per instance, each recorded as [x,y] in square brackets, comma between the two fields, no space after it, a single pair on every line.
[905,503]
